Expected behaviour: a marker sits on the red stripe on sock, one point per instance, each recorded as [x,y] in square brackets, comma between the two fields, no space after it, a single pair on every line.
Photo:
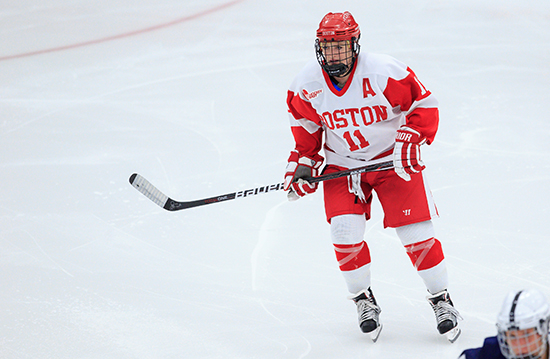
[352,256]
[426,254]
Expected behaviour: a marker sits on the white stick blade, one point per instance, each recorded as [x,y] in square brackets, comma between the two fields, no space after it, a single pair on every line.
[148,190]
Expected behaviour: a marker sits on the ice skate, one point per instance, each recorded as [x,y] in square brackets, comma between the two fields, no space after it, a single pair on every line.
[368,312]
[445,314]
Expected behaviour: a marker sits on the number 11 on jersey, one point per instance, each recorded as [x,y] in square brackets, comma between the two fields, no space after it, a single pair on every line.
[351,141]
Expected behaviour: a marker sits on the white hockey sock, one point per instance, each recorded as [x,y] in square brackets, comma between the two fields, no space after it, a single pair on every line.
[357,279]
[348,231]
[435,278]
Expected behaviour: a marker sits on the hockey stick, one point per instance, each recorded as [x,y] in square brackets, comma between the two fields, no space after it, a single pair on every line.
[151,192]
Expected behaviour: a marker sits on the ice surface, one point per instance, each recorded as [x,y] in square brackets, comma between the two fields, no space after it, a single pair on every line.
[191,95]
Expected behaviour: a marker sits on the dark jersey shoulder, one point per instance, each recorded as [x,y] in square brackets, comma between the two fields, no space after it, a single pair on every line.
[489,350]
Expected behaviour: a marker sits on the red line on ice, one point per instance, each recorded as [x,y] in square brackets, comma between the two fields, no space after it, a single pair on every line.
[127,34]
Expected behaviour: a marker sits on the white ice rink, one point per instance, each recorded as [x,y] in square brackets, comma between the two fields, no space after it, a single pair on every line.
[191,95]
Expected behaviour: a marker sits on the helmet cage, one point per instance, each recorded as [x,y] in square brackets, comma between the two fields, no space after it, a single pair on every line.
[518,343]
[346,64]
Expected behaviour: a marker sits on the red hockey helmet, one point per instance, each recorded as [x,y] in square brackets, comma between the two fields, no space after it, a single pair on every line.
[338,27]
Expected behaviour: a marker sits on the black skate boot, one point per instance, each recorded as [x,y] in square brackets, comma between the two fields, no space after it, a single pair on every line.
[368,312]
[445,314]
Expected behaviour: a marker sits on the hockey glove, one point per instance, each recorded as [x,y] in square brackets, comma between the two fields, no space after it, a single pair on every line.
[297,168]
[406,154]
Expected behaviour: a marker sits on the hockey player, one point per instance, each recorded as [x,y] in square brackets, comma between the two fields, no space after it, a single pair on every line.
[522,326]
[366,108]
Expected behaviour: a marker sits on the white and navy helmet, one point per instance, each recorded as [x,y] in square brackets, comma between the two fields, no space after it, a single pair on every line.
[522,311]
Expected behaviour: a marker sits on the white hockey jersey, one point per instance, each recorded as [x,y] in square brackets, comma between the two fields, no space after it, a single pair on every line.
[360,121]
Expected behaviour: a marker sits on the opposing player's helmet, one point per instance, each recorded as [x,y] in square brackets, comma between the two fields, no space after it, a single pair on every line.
[523,324]
[338,27]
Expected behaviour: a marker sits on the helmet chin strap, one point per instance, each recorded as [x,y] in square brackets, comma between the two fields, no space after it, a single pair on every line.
[336,70]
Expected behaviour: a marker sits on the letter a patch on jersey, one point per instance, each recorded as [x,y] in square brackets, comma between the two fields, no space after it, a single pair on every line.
[367,89]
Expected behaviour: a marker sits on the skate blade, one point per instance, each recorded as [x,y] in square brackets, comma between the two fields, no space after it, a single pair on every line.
[375,333]
[453,334]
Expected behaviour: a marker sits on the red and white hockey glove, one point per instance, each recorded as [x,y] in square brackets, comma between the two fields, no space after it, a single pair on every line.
[406,154]
[297,168]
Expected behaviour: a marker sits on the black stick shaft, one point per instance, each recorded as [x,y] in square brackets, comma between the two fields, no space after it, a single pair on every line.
[151,192]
